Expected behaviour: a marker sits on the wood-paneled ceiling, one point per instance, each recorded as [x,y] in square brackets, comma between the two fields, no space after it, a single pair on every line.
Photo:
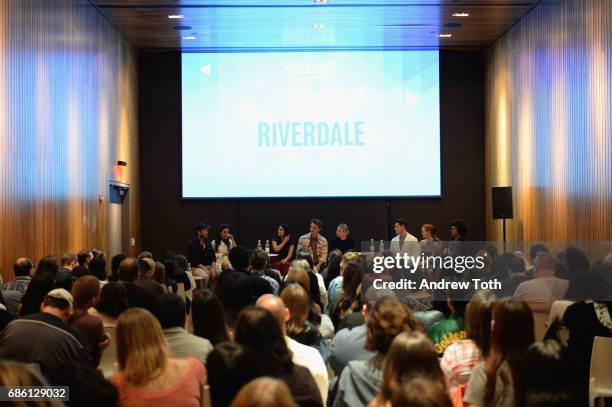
[311,24]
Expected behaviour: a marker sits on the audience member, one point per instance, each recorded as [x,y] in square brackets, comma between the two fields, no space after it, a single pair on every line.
[234,291]
[411,355]
[64,277]
[148,375]
[316,289]
[315,243]
[284,247]
[515,274]
[345,301]
[14,290]
[88,387]
[97,267]
[419,392]
[360,380]
[446,332]
[137,296]
[159,275]
[302,355]
[223,243]
[62,343]
[496,381]
[259,261]
[342,241]
[146,270]
[544,287]
[14,374]
[209,321]
[335,284]
[258,329]
[174,275]
[230,366]
[115,262]
[86,293]
[112,302]
[333,267]
[182,344]
[36,292]
[264,392]
[48,265]
[201,254]
[461,356]
[404,242]
[83,258]
[298,327]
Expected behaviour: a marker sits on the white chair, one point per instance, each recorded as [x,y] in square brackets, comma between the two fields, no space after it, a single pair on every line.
[108,362]
[540,320]
[600,383]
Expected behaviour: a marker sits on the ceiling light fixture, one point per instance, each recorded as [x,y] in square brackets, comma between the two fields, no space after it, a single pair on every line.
[461,14]
[176,16]
[189,37]
[445,35]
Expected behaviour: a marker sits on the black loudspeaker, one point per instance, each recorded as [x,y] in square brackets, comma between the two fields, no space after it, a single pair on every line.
[502,202]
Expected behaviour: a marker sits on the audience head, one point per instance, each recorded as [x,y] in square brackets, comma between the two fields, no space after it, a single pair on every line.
[69,261]
[48,265]
[129,270]
[400,225]
[84,257]
[172,311]
[146,267]
[478,316]
[239,258]
[182,262]
[297,300]
[159,273]
[23,267]
[142,350]
[599,283]
[535,249]
[259,260]
[58,302]
[351,279]
[36,292]
[209,320]
[113,299]
[411,355]
[349,257]
[264,392]
[97,267]
[15,374]
[428,231]
[201,230]
[515,266]
[297,273]
[388,318]
[87,386]
[86,292]
[544,265]
[115,262]
[574,260]
[145,255]
[458,229]
[258,329]
[233,289]
[421,392]
[283,230]
[342,231]
[276,307]
[230,366]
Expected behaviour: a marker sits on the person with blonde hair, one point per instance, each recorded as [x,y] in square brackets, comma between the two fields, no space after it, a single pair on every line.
[147,375]
[264,392]
[15,374]
[299,328]
[335,285]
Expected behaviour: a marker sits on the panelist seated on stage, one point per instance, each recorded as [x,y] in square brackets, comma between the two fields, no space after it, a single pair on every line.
[315,244]
[342,241]
[404,242]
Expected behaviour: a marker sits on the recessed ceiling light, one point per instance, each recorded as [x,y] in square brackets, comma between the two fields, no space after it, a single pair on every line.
[318,26]
[445,35]
[461,14]
[176,16]
[189,37]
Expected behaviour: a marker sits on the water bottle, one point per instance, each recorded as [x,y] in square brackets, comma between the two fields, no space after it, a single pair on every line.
[267,246]
[259,245]
[381,248]
[372,246]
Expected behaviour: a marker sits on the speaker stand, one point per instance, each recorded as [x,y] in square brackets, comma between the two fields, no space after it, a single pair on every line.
[504,231]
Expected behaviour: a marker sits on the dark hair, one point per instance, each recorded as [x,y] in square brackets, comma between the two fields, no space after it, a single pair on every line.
[546,376]
[200,226]
[218,237]
[239,258]
[258,329]
[48,265]
[36,292]
[82,257]
[144,267]
[182,262]
[97,267]
[410,355]
[113,299]
[171,311]
[511,315]
[171,265]
[421,392]
[209,320]
[159,273]
[535,249]
[115,262]
[574,261]
[259,259]
[87,386]
[129,269]
[318,222]
[22,267]
[85,289]
[305,255]
[478,316]
[233,289]
[401,221]
[333,266]
[230,366]
[460,225]
[286,228]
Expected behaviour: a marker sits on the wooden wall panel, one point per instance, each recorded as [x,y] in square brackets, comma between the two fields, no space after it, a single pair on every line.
[548,122]
[68,105]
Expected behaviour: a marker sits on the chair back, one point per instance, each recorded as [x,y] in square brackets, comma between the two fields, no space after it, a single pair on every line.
[601,368]
[180,290]
[540,320]
[108,362]
[206,401]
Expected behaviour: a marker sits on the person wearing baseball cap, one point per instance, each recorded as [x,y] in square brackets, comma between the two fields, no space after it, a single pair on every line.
[63,345]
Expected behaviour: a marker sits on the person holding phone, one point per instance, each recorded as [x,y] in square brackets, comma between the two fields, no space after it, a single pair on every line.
[284,246]
[223,243]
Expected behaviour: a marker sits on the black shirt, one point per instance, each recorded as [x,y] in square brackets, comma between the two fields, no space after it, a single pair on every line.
[284,252]
[140,297]
[343,245]
[198,254]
